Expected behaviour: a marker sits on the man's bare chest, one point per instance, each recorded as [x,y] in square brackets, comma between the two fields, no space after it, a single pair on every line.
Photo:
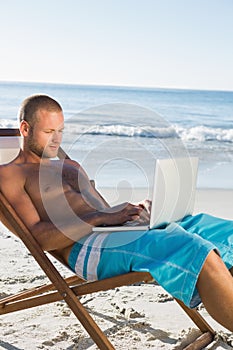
[48,182]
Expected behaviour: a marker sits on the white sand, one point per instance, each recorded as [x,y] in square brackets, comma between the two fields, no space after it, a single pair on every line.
[135,317]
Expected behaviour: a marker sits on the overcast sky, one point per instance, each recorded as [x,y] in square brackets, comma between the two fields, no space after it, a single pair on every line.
[152,43]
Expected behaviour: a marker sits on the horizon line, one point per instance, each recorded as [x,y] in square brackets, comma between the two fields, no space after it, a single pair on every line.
[115,85]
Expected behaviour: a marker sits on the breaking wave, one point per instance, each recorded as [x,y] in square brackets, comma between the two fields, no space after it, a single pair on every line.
[196,133]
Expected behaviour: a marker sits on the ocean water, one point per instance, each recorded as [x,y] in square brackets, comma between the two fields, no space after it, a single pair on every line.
[116,133]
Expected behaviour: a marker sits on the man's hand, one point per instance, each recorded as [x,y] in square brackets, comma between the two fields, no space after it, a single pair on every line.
[146,210]
[121,213]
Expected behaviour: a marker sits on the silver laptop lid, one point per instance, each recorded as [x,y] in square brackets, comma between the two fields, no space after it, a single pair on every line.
[174,190]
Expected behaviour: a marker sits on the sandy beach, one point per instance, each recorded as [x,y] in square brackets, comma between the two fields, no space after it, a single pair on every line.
[133,317]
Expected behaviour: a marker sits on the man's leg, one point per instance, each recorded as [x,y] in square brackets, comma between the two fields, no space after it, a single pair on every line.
[174,257]
[213,229]
[215,286]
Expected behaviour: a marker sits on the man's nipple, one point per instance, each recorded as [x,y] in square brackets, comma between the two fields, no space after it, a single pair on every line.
[47,188]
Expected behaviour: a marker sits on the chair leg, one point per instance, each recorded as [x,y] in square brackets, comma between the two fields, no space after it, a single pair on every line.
[197,318]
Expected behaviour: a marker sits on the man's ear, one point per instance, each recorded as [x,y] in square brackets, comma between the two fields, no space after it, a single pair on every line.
[24,128]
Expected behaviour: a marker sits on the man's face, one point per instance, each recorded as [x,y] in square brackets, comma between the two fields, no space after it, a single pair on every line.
[45,136]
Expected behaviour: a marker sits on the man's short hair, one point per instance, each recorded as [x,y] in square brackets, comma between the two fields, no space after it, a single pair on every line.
[33,103]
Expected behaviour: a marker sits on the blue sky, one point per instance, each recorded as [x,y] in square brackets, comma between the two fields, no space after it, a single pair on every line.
[153,43]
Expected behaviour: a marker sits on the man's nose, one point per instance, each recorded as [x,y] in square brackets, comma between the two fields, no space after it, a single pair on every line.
[56,137]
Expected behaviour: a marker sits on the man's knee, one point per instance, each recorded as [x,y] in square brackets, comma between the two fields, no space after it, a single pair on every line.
[213,266]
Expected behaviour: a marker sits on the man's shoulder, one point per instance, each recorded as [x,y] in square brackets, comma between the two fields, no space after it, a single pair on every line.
[11,171]
[8,167]
[12,180]
[72,162]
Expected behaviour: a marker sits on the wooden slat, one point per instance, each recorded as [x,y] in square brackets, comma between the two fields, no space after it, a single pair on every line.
[9,132]
[201,342]
[31,299]
[32,292]
[62,154]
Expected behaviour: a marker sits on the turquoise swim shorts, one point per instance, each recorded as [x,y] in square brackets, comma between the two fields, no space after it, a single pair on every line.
[174,254]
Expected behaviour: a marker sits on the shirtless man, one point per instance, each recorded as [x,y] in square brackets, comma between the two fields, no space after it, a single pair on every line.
[57,202]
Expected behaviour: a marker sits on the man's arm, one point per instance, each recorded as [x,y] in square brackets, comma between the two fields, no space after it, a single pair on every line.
[78,179]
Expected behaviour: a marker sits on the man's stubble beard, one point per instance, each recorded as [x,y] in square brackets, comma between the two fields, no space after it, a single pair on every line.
[36,148]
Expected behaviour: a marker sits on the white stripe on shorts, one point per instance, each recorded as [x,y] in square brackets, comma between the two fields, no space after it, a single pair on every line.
[94,241]
[79,265]
[94,257]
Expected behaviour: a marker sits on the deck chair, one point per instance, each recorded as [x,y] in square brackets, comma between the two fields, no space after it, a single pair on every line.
[71,288]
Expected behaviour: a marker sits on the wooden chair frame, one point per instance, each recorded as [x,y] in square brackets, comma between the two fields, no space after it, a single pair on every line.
[71,288]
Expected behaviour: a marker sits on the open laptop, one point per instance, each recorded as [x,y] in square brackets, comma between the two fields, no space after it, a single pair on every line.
[173,194]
